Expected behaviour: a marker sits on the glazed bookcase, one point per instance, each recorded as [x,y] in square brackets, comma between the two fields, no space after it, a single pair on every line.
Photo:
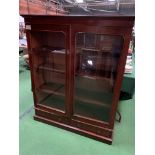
[77,65]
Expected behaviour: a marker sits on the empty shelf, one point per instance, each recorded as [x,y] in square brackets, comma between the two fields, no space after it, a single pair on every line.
[49,68]
[52,88]
[90,101]
[93,97]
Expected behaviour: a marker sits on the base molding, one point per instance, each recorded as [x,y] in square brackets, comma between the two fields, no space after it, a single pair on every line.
[74,129]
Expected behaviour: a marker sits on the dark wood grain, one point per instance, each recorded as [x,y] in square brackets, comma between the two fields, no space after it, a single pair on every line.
[70,26]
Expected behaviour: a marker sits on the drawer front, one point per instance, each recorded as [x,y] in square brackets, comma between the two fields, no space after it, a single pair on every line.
[90,128]
[51,116]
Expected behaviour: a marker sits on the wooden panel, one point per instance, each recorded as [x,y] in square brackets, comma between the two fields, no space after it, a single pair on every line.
[89,127]
[84,20]
[74,129]
[53,116]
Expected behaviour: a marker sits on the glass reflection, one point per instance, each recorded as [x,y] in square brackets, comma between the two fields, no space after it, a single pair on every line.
[97,57]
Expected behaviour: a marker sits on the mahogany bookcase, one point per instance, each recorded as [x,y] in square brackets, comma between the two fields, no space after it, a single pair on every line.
[77,65]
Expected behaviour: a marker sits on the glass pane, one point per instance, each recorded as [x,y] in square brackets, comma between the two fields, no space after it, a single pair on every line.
[49,62]
[97,57]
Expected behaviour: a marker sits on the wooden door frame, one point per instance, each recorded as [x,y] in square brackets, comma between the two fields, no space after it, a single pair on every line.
[50,28]
[124,32]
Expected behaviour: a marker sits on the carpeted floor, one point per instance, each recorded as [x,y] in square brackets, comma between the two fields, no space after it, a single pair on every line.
[41,139]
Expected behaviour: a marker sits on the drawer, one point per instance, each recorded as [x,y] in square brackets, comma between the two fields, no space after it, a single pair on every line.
[51,116]
[91,128]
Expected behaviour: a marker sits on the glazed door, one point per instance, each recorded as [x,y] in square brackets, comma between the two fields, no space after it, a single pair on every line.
[97,55]
[49,55]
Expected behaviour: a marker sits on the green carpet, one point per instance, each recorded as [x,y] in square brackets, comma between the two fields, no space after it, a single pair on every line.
[41,139]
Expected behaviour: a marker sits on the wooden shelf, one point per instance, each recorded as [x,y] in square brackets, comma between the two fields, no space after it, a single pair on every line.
[91,96]
[49,49]
[90,101]
[89,49]
[57,89]
[52,88]
[53,95]
[93,77]
[93,49]
[101,85]
[49,68]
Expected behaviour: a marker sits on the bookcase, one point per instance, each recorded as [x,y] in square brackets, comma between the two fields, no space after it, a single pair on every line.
[77,65]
